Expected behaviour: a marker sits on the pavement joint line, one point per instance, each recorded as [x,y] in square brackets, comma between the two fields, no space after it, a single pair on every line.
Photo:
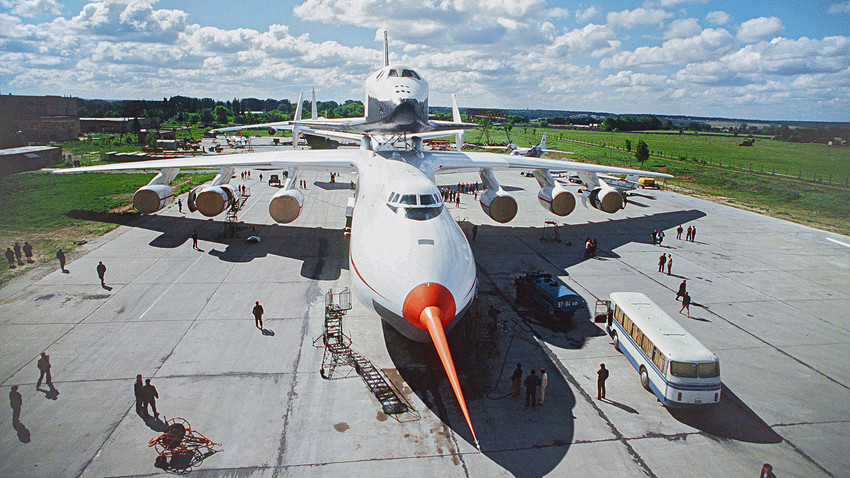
[118,423]
[176,281]
[559,364]
[824,422]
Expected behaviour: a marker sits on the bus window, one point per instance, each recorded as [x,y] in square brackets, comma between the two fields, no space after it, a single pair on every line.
[637,335]
[658,359]
[647,346]
[709,370]
[682,369]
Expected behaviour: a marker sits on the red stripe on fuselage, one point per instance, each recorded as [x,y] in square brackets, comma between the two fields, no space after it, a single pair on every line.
[351,258]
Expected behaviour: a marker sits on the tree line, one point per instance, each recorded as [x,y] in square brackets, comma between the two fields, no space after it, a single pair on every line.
[208,111]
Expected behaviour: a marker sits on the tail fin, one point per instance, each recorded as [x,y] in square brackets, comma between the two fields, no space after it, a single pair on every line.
[314,110]
[296,131]
[543,142]
[457,119]
[386,50]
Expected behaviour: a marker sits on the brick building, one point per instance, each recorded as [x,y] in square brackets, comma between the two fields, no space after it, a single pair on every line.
[39,119]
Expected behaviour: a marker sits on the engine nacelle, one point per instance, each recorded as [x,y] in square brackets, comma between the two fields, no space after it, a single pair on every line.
[498,205]
[557,200]
[213,200]
[606,199]
[272,131]
[152,198]
[286,205]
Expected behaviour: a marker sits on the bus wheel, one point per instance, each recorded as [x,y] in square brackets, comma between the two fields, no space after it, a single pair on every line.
[616,342]
[644,378]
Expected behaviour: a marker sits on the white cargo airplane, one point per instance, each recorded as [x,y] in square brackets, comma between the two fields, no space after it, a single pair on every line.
[409,260]
[535,151]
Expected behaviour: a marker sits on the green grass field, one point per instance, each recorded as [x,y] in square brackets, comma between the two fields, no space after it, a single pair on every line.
[818,203]
[36,207]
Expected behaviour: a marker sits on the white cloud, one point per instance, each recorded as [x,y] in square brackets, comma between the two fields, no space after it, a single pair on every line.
[843,7]
[758,29]
[34,8]
[586,14]
[718,17]
[638,17]
[672,3]
[711,43]
[594,40]
[686,27]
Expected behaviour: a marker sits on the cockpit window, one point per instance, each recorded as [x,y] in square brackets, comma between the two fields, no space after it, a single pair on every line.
[392,73]
[408,199]
[422,213]
[409,74]
[427,199]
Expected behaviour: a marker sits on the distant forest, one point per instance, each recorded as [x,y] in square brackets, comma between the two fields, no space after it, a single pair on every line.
[209,112]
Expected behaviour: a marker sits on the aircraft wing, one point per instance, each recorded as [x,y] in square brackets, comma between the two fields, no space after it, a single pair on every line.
[547,150]
[273,125]
[448,161]
[338,160]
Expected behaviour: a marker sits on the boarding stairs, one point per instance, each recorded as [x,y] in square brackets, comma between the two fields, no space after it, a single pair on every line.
[232,219]
[338,352]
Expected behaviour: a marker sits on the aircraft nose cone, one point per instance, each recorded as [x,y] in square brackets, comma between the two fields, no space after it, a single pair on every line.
[423,296]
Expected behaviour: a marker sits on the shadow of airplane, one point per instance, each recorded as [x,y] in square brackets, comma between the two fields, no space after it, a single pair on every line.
[322,251]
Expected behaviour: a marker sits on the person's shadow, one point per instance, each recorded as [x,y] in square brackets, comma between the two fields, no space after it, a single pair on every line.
[155,424]
[268,332]
[620,405]
[23,432]
[51,392]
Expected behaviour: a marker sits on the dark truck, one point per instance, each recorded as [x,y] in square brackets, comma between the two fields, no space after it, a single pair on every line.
[554,303]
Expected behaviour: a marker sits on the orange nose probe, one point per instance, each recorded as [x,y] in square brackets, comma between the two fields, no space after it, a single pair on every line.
[428,302]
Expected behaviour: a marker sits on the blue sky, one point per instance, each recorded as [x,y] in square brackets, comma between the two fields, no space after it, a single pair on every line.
[777,60]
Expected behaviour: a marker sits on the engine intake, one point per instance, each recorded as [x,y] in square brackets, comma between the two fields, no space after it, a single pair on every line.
[285,206]
[557,200]
[499,206]
[606,199]
[213,200]
[152,198]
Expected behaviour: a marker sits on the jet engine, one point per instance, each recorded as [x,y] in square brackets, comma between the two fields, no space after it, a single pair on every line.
[606,199]
[152,198]
[272,131]
[213,200]
[499,206]
[286,205]
[557,200]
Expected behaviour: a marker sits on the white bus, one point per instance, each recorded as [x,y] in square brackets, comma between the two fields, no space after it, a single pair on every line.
[672,364]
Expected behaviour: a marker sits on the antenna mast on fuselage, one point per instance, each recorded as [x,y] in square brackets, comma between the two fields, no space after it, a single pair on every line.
[386,50]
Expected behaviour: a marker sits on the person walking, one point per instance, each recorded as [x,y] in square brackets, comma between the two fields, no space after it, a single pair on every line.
[601,377]
[544,380]
[686,304]
[767,471]
[61,256]
[16,401]
[258,315]
[137,391]
[516,380]
[683,288]
[18,253]
[101,273]
[654,236]
[661,261]
[149,396]
[28,251]
[693,233]
[195,239]
[179,205]
[44,369]
[679,232]
[10,256]
[669,263]
[532,381]
[660,237]
[688,235]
